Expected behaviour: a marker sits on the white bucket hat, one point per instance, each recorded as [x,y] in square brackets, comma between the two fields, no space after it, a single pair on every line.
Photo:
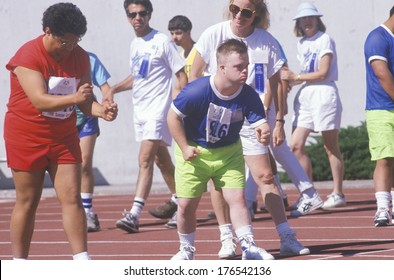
[307,10]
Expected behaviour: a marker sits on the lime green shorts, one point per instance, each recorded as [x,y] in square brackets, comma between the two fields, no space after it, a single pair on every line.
[225,166]
[380,126]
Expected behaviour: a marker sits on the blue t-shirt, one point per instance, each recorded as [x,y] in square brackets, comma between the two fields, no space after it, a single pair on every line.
[99,75]
[213,120]
[378,45]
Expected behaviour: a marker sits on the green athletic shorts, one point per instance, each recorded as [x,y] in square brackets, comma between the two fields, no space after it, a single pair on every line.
[380,126]
[225,166]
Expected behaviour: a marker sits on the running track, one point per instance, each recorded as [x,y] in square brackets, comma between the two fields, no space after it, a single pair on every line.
[344,234]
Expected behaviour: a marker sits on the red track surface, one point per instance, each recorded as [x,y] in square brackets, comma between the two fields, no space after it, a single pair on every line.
[345,234]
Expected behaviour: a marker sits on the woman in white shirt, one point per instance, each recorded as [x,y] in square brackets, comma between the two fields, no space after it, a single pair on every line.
[317,105]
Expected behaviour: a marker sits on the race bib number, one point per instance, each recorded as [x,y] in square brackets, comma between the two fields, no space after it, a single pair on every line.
[218,123]
[61,86]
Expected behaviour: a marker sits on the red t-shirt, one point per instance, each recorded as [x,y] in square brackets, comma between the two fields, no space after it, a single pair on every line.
[24,124]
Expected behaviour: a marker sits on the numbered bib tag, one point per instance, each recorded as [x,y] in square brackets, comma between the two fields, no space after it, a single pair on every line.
[61,86]
[218,122]
[259,58]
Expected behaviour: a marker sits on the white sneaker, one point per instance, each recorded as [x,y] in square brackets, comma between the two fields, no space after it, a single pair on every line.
[228,249]
[307,205]
[382,217]
[252,252]
[128,223]
[92,221]
[185,253]
[172,222]
[294,206]
[334,200]
[290,246]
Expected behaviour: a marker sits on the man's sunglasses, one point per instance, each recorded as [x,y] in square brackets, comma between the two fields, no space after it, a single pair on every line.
[246,13]
[134,14]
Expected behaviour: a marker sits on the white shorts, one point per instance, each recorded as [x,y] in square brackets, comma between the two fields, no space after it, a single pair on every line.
[250,145]
[152,130]
[317,107]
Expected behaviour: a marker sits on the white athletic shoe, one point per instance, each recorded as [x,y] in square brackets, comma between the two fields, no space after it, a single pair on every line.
[334,200]
[252,252]
[290,246]
[185,253]
[228,249]
[307,205]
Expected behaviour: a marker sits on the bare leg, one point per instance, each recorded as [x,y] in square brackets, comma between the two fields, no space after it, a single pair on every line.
[168,209]
[146,158]
[383,180]
[261,171]
[164,163]
[237,205]
[28,186]
[298,140]
[220,206]
[331,145]
[383,175]
[147,154]
[87,144]
[186,218]
[67,182]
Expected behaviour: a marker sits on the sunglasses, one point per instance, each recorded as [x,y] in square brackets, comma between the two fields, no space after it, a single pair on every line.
[246,13]
[134,14]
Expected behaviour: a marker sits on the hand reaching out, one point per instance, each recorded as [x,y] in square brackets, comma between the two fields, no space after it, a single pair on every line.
[109,111]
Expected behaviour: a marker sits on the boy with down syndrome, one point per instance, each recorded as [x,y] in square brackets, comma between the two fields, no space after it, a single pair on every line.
[205,120]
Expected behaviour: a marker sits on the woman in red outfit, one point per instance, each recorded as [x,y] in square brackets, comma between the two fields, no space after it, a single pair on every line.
[50,76]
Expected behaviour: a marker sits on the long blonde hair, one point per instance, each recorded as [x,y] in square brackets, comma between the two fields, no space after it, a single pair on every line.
[261,19]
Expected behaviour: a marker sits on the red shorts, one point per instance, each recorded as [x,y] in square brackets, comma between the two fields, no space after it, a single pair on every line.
[34,158]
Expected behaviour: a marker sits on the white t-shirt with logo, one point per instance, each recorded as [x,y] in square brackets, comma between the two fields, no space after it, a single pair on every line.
[152,85]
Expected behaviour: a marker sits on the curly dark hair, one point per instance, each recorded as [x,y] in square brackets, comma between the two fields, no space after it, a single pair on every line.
[62,18]
[146,3]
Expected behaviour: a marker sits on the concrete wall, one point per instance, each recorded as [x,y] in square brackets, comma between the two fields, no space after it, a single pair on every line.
[109,35]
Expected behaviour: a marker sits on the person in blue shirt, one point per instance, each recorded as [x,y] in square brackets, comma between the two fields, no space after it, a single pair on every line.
[205,120]
[88,131]
[379,63]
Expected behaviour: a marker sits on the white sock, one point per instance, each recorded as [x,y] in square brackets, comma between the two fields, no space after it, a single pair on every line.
[245,236]
[226,231]
[87,201]
[383,200]
[309,193]
[187,239]
[137,207]
[392,200]
[81,256]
